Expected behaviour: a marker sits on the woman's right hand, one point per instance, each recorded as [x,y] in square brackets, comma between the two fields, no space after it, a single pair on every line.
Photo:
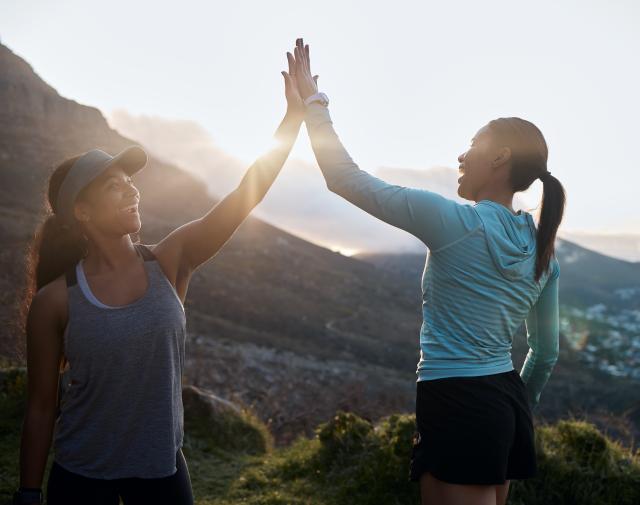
[306,82]
[295,104]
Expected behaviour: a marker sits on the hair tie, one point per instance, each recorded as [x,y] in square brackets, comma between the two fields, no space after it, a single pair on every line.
[544,176]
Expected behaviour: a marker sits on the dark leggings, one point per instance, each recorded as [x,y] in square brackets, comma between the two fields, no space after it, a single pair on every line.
[68,488]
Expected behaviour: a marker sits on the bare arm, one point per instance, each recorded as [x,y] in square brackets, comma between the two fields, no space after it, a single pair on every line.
[194,243]
[45,326]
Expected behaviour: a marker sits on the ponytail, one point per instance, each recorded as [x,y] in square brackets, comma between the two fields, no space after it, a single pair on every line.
[551,211]
[529,162]
[55,247]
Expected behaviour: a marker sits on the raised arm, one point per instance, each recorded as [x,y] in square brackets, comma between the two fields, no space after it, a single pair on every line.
[432,218]
[197,241]
[543,334]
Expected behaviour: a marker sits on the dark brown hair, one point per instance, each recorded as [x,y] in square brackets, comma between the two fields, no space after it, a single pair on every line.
[528,162]
[54,247]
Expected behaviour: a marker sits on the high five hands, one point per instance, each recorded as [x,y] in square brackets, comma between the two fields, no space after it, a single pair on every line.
[299,82]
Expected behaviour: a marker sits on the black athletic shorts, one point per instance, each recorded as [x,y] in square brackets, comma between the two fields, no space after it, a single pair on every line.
[69,488]
[474,430]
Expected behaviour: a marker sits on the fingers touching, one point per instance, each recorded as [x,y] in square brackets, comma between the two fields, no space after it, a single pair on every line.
[300,71]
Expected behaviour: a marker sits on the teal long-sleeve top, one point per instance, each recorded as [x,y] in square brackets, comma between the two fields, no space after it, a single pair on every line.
[478,282]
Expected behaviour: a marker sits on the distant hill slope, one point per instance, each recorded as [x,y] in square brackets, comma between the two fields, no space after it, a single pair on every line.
[588,277]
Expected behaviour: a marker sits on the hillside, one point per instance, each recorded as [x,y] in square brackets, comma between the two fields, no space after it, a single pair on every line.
[349,460]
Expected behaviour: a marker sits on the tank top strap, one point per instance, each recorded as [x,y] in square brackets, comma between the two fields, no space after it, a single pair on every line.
[145,252]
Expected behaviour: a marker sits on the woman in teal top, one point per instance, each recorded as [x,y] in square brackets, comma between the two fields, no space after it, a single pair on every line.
[488,269]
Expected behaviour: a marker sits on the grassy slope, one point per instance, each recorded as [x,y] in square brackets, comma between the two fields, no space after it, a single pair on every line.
[232,461]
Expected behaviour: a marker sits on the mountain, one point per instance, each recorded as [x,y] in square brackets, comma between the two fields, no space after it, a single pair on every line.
[590,278]
[274,322]
[625,246]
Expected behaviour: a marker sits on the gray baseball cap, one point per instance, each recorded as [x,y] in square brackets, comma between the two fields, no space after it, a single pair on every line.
[88,167]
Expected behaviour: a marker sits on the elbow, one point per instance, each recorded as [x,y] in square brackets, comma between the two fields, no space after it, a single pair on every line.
[331,185]
[555,353]
[41,406]
[257,199]
[41,410]
[550,361]
[249,194]
[551,357]
[335,184]
[39,419]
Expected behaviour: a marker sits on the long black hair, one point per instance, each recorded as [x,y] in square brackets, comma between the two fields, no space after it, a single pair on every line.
[529,154]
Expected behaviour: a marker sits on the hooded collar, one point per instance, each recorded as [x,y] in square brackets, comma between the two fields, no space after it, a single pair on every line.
[511,238]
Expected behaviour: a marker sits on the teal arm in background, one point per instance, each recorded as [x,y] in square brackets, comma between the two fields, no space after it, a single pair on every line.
[543,336]
[434,219]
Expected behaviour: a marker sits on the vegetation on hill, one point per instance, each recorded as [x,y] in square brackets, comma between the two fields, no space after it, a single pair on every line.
[232,461]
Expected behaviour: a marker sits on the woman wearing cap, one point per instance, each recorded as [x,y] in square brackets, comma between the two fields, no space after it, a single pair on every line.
[114,311]
[489,269]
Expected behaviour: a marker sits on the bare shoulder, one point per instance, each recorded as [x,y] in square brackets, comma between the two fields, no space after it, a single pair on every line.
[51,302]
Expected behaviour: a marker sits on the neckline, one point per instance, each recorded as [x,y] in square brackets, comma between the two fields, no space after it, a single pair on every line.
[86,290]
[517,214]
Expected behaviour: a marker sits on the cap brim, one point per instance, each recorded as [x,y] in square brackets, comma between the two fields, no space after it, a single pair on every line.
[132,159]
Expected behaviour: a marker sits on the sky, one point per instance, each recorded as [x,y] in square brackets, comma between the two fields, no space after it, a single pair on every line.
[409,82]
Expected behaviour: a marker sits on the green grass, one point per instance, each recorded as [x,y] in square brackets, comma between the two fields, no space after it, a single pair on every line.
[351,461]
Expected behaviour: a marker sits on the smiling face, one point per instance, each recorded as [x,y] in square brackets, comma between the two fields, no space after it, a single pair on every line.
[478,165]
[109,205]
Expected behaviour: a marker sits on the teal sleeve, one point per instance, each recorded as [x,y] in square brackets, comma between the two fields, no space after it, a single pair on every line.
[543,334]
[434,219]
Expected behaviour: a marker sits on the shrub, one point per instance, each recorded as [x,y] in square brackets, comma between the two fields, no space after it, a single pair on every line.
[579,465]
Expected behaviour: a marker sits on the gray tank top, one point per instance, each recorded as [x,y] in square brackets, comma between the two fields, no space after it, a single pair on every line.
[120,413]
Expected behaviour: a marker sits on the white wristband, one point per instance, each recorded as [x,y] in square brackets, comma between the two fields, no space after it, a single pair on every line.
[321,98]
